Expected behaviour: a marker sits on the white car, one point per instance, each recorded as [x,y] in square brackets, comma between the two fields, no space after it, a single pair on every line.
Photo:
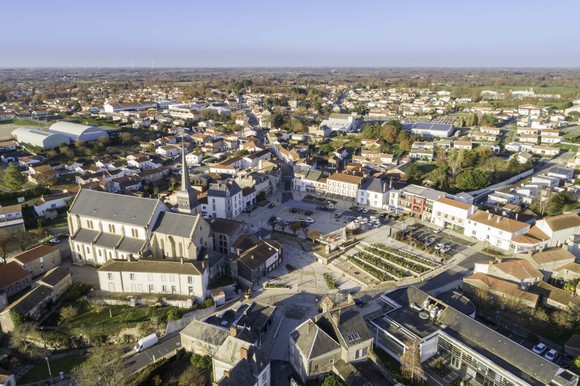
[551,355]
[539,348]
[309,220]
[365,210]
[373,218]
[446,248]
[437,231]
[438,246]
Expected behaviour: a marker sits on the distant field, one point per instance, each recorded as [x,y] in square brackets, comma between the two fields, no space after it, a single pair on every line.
[539,90]
[7,128]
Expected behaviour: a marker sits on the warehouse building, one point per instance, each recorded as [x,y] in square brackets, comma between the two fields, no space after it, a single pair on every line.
[39,138]
[76,131]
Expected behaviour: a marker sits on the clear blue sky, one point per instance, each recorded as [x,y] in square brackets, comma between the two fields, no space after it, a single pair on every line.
[232,33]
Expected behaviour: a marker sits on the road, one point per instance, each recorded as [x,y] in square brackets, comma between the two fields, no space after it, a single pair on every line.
[134,363]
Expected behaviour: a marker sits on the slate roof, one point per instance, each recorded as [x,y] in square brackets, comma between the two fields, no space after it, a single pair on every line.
[115,207]
[225,226]
[154,266]
[312,341]
[54,276]
[85,236]
[31,299]
[176,224]
[256,256]
[374,185]
[205,332]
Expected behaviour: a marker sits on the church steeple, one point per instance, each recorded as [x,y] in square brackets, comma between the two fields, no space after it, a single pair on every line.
[186,197]
[185,182]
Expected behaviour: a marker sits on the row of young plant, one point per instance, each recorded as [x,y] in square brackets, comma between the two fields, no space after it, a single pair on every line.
[406,255]
[371,270]
[401,262]
[380,263]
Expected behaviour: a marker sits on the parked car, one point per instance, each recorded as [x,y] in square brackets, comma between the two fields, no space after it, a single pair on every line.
[437,230]
[446,248]
[383,215]
[430,241]
[365,210]
[309,220]
[438,246]
[359,209]
[293,210]
[337,215]
[566,361]
[539,348]
[55,240]
[308,213]
[271,205]
[551,355]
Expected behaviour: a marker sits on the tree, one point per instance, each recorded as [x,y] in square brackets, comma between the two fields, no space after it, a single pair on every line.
[411,367]
[295,226]
[103,367]
[191,376]
[456,163]
[514,164]
[23,332]
[67,313]
[414,173]
[333,380]
[564,320]
[472,179]
[13,178]
[126,138]
[313,234]
[24,238]
[4,241]
[438,176]
[201,361]
[79,144]
[391,131]
[556,204]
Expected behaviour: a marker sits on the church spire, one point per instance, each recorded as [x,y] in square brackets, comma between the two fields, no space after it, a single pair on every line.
[185,182]
[186,196]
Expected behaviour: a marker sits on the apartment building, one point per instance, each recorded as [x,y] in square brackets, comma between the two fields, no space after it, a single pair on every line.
[451,214]
[38,260]
[344,185]
[496,230]
[224,200]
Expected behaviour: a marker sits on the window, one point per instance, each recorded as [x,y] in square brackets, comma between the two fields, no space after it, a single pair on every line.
[150,276]
[110,276]
[163,277]
[151,288]
[164,288]
[132,276]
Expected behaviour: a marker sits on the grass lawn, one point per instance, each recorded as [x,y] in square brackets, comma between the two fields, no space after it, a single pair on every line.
[40,372]
[88,316]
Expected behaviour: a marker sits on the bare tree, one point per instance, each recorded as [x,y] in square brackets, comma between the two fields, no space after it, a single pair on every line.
[411,367]
[456,163]
[103,367]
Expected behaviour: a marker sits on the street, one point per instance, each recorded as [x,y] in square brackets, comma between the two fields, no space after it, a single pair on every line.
[134,362]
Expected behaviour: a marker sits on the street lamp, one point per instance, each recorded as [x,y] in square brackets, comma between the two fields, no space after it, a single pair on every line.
[49,371]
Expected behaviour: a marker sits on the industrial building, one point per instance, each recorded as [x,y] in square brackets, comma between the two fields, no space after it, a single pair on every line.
[39,138]
[76,131]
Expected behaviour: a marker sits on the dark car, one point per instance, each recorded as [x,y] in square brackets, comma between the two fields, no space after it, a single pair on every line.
[293,210]
[308,213]
[304,224]
[360,301]
[271,205]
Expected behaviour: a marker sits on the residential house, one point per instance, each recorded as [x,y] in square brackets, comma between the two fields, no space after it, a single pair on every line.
[496,230]
[194,158]
[563,174]
[559,228]
[13,278]
[202,338]
[238,362]
[422,155]
[36,302]
[168,151]
[374,193]
[450,213]
[250,266]
[223,200]
[11,217]
[318,344]
[550,260]
[503,291]
[518,271]
[545,151]
[344,185]
[415,200]
[38,260]
[161,277]
[51,203]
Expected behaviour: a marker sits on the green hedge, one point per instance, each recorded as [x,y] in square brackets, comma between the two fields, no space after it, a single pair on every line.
[37,191]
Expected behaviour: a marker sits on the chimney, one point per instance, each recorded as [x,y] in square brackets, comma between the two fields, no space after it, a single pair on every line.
[336,318]
[489,215]
[244,353]
[308,327]
[226,374]
[233,331]
[498,218]
[516,216]
[181,260]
